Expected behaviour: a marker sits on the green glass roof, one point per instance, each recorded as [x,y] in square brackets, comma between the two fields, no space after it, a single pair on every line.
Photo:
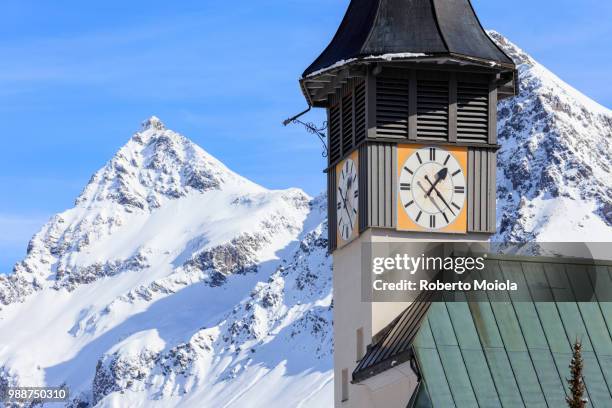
[496,351]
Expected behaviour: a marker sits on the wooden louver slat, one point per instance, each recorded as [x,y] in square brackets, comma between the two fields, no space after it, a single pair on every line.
[392,98]
[472,112]
[334,133]
[360,113]
[347,123]
[432,109]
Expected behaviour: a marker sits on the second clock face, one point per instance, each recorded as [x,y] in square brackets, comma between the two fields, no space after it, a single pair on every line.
[347,204]
[432,187]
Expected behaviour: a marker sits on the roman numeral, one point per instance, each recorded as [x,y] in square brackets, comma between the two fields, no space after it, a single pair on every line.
[339,205]
[445,217]
[354,211]
[457,172]
[432,221]
[405,186]
[447,159]
[419,216]
[408,170]
[419,157]
[432,154]
[455,205]
[460,190]
[356,194]
[409,204]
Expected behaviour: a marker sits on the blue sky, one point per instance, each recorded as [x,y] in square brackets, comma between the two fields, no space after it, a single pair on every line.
[77,78]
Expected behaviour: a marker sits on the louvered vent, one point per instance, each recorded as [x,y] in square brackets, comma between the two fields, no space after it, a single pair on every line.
[392,107]
[432,109]
[360,118]
[347,123]
[334,133]
[472,112]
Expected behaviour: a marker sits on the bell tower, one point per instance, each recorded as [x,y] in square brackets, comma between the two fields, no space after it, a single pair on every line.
[411,89]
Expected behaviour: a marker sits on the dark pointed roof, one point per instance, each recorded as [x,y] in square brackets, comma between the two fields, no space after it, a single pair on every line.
[374,28]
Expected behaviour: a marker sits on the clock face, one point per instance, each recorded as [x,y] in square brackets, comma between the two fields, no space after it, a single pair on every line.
[432,188]
[347,201]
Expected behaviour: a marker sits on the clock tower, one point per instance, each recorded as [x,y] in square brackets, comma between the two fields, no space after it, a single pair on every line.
[410,88]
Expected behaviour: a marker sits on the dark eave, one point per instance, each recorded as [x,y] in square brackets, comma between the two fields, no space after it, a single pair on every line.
[320,84]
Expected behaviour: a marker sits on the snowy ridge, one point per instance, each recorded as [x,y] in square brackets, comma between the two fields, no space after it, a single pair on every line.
[553,178]
[169,276]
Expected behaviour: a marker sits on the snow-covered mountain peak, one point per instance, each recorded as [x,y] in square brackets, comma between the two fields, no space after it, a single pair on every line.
[173,276]
[554,163]
[519,56]
[153,122]
[161,206]
[158,164]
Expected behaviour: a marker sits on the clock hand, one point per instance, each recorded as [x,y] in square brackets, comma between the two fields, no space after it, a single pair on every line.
[346,206]
[441,175]
[431,198]
[433,186]
[444,201]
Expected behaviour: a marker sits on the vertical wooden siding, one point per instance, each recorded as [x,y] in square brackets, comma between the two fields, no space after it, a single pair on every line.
[381,185]
[481,190]
[331,209]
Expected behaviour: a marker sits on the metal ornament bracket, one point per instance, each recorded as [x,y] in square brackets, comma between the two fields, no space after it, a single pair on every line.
[311,128]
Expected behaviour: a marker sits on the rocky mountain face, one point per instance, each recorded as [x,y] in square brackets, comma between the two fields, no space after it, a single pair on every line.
[553,179]
[176,282]
[173,281]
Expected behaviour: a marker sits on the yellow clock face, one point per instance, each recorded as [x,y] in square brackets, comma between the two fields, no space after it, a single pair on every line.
[432,187]
[347,199]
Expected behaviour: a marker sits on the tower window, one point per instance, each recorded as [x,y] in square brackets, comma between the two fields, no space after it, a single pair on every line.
[345,385]
[360,348]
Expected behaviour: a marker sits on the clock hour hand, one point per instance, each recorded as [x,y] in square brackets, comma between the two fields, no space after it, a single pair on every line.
[346,206]
[441,175]
[431,198]
[433,187]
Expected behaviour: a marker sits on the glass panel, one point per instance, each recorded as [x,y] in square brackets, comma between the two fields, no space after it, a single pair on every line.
[548,313]
[463,323]
[606,364]
[603,287]
[562,361]
[504,379]
[440,324]
[422,398]
[527,380]
[549,378]
[480,376]
[531,326]
[424,338]
[457,376]
[568,309]
[508,327]
[433,373]
[484,321]
[504,313]
[537,282]
[594,381]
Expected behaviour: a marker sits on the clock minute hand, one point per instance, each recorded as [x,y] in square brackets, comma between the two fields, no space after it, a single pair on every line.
[345,205]
[431,198]
[440,196]
[441,175]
